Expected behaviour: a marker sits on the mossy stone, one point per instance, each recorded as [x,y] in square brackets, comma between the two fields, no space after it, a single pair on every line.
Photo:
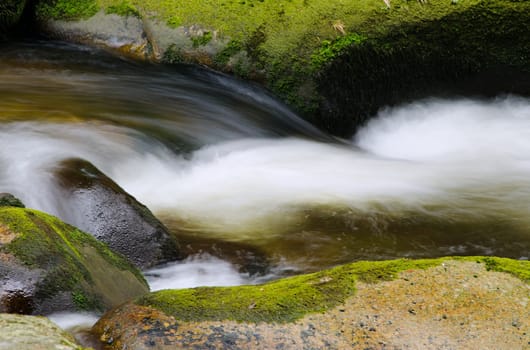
[288,299]
[343,307]
[8,200]
[48,266]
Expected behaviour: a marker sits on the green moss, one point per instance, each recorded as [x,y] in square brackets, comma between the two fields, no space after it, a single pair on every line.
[281,301]
[232,48]
[173,55]
[518,268]
[330,50]
[291,298]
[85,302]
[66,9]
[174,21]
[124,8]
[202,39]
[45,242]
[8,200]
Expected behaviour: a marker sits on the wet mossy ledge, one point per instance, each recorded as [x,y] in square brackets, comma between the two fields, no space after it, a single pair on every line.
[334,61]
[289,299]
[47,266]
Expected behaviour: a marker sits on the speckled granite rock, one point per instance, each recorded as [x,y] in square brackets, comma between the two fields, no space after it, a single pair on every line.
[33,333]
[452,304]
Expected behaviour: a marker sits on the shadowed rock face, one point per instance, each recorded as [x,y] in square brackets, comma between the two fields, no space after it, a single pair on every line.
[97,205]
[47,266]
[10,12]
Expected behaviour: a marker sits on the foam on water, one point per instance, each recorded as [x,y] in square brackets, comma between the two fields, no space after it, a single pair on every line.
[441,158]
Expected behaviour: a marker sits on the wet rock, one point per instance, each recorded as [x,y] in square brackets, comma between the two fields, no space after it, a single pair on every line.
[124,34]
[8,200]
[33,333]
[334,309]
[47,265]
[245,257]
[97,205]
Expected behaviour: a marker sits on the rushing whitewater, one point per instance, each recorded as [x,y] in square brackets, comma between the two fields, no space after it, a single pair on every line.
[217,158]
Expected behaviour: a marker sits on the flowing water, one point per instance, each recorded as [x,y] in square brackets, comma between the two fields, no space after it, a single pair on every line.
[219,160]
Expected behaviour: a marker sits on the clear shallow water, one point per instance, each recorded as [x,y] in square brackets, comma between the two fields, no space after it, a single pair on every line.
[222,161]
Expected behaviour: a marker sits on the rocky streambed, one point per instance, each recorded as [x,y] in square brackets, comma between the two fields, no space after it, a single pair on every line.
[231,172]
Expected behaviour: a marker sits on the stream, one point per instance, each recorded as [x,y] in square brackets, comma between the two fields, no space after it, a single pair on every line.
[222,160]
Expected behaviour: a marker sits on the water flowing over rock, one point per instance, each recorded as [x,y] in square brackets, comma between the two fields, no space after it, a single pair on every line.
[33,333]
[97,205]
[47,265]
[336,63]
[467,303]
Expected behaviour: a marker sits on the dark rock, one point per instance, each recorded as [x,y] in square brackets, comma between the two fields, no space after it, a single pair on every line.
[47,266]
[8,200]
[97,205]
[10,13]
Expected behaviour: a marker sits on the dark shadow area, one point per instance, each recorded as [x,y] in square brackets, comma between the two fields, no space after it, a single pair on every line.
[481,52]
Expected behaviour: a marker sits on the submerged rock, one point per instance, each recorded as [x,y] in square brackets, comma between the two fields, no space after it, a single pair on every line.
[8,200]
[47,266]
[472,303]
[97,205]
[33,333]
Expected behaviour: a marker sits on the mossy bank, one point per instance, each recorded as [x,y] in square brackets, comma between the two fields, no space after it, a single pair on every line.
[335,61]
[47,265]
[335,308]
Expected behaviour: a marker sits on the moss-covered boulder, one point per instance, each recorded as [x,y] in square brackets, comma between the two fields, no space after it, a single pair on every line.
[93,202]
[336,61]
[8,200]
[48,266]
[10,13]
[33,333]
[472,303]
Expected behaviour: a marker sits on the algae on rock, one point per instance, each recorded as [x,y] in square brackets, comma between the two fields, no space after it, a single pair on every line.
[400,303]
[48,266]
